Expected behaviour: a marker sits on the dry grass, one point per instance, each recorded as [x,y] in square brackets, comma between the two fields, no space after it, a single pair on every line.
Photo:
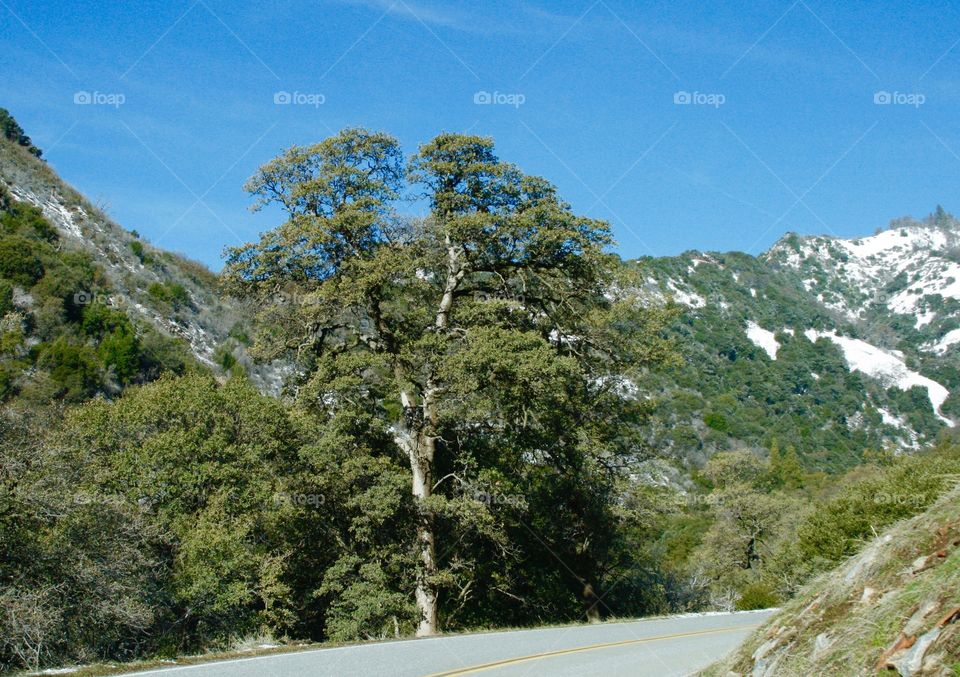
[849,621]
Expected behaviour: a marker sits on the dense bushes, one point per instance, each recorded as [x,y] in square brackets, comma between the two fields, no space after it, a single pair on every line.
[871,498]
[151,524]
[57,339]
[772,528]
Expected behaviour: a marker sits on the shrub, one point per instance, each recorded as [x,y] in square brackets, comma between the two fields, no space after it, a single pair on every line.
[169,293]
[6,297]
[14,132]
[756,596]
[19,262]
[137,248]
[72,367]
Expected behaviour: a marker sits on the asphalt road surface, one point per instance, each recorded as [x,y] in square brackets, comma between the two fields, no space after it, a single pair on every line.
[659,647]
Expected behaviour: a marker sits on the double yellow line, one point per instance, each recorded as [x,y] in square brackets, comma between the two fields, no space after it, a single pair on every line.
[592,647]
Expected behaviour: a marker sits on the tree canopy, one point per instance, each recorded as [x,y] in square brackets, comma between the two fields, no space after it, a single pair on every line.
[484,339]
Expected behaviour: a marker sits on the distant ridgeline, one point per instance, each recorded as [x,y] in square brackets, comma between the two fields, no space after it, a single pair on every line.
[88,307]
[835,346]
[14,132]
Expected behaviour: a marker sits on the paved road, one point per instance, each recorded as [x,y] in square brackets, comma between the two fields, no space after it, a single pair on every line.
[662,647]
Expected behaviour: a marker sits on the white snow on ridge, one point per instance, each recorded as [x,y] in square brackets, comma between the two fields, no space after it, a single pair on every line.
[886,367]
[763,338]
[686,298]
[947,340]
[895,240]
[934,276]
[868,264]
[923,319]
[891,419]
[52,209]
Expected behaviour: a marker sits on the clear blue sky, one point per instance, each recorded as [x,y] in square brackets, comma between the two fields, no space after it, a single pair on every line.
[782,134]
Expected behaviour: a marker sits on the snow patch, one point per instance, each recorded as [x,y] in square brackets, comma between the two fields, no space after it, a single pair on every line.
[763,338]
[53,210]
[891,419]
[686,298]
[948,339]
[885,366]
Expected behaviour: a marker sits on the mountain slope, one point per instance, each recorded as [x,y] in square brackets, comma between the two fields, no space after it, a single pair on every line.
[828,345]
[774,350]
[895,608]
[177,296]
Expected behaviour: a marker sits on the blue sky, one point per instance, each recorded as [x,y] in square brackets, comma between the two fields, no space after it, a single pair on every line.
[782,130]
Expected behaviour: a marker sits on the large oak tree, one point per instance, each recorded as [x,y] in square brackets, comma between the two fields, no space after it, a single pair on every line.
[492,332]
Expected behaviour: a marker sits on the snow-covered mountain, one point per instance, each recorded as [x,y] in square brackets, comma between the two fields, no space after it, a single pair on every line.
[911,269]
[765,338]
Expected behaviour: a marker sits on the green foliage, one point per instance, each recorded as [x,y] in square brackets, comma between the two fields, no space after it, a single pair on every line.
[81,348]
[14,132]
[171,294]
[19,261]
[837,528]
[757,596]
[187,473]
[6,297]
[72,367]
[136,246]
[467,342]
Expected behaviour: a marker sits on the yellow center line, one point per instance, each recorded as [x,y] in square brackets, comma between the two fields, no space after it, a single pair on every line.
[591,647]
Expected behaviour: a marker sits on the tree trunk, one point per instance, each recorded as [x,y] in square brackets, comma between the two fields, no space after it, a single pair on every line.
[592,603]
[413,437]
[426,592]
[420,441]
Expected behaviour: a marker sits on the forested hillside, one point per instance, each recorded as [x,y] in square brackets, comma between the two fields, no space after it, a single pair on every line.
[770,354]
[371,426]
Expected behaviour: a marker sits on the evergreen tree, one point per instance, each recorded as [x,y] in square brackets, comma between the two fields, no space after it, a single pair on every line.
[480,336]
